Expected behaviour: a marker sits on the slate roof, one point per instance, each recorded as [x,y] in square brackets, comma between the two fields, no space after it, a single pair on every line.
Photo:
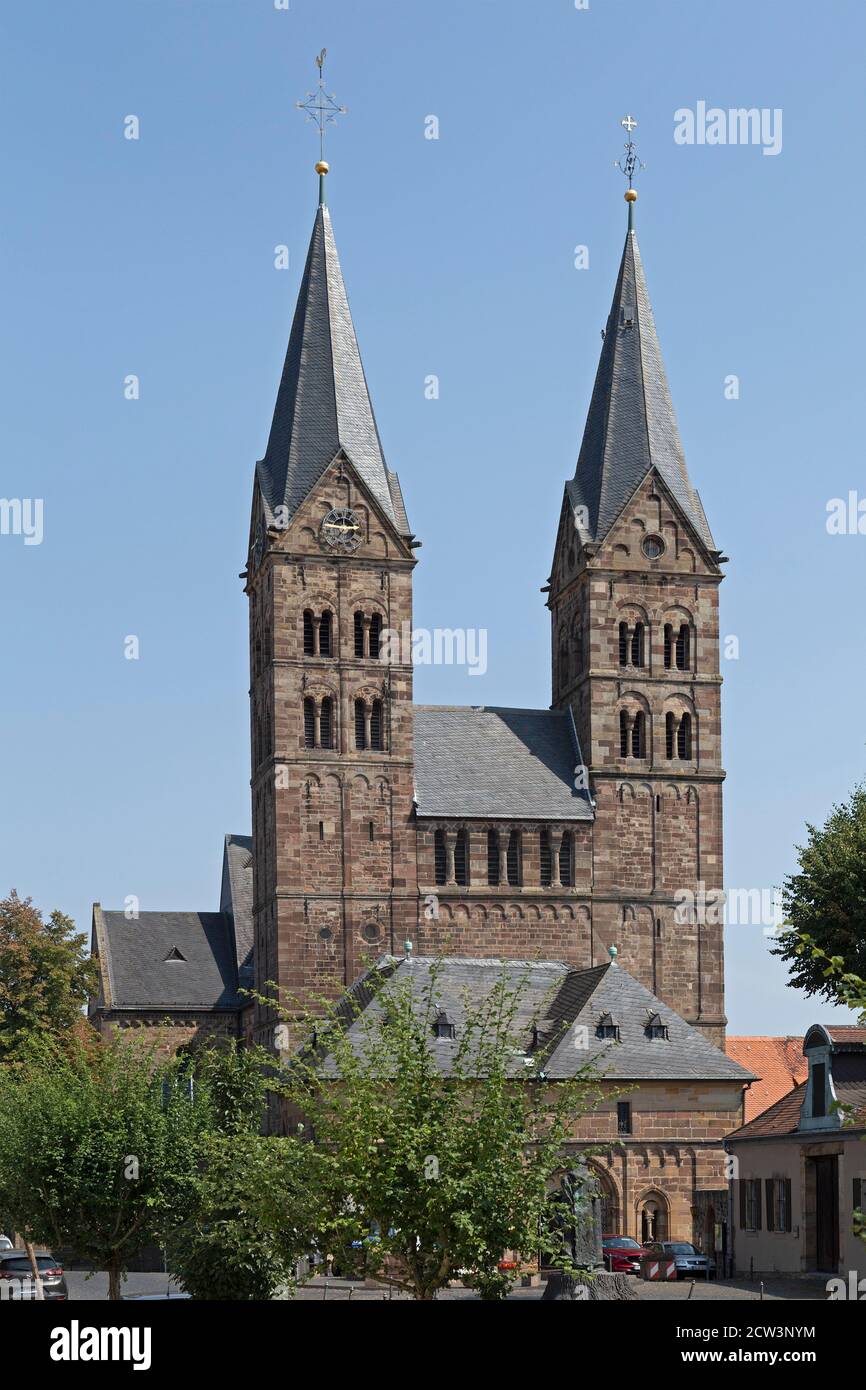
[559,999]
[780,1065]
[631,427]
[141,976]
[323,404]
[236,899]
[488,761]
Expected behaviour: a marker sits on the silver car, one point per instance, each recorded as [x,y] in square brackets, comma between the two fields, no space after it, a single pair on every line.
[687,1259]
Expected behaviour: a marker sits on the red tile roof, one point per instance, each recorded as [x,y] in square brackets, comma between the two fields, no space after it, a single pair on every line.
[847,1034]
[779,1063]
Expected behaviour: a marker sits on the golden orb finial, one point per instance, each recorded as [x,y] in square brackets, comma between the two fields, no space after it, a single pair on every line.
[630,195]
[322,166]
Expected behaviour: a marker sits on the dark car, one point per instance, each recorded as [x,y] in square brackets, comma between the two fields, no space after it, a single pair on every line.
[687,1259]
[16,1278]
[621,1254]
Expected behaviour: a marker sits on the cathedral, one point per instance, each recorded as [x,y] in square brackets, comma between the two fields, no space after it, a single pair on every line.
[384,828]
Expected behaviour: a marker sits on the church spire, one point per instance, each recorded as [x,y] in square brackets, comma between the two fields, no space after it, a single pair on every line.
[630,428]
[323,405]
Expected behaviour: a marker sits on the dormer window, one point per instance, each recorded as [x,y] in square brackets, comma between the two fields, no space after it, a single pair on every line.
[607,1028]
[175,954]
[819,1088]
[443,1027]
[655,1028]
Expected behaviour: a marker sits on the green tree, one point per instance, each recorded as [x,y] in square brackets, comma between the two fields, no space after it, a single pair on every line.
[254,1219]
[100,1145]
[425,1177]
[826,899]
[46,975]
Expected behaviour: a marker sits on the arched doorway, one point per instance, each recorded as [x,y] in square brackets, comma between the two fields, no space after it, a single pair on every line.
[652,1217]
[610,1209]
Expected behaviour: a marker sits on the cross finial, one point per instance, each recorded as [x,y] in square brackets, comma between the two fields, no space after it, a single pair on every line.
[322,109]
[630,165]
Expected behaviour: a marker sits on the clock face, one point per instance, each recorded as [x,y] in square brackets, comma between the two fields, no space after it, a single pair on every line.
[342,530]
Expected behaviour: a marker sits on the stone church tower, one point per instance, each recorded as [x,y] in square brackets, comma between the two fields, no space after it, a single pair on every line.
[330,569]
[635,637]
[554,833]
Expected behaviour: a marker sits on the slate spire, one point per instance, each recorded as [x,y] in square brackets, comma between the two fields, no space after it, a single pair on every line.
[631,427]
[323,404]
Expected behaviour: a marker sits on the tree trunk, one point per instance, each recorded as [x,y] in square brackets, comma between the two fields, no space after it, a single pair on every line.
[114,1279]
[34,1269]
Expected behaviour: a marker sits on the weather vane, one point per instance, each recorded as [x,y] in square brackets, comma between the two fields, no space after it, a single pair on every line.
[631,165]
[322,109]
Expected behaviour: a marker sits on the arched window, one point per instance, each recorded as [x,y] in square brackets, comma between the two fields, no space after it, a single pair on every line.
[493,858]
[623,733]
[360,730]
[683,648]
[514,858]
[638,735]
[566,869]
[544,852]
[309,723]
[309,634]
[375,636]
[669,735]
[439,857]
[325,634]
[461,859]
[637,645]
[684,738]
[669,639]
[623,644]
[359,634]
[376,723]
[326,723]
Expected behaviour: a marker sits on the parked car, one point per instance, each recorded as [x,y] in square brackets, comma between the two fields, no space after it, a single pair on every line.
[17,1276]
[687,1259]
[621,1254]
[5,1243]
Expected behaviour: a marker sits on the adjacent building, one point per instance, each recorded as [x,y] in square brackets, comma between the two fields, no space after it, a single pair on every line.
[800,1166]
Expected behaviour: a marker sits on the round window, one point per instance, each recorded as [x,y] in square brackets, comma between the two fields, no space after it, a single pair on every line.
[371,932]
[652,547]
[325,933]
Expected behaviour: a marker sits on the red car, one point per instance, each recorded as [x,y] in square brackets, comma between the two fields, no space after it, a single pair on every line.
[621,1254]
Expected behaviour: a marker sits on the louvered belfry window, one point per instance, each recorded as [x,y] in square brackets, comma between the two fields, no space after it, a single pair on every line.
[375,636]
[669,637]
[513,859]
[669,735]
[623,644]
[684,738]
[309,723]
[683,645]
[325,634]
[439,859]
[493,858]
[359,634]
[309,634]
[544,855]
[376,726]
[461,859]
[360,737]
[566,872]
[326,723]
[638,735]
[623,734]
[637,645]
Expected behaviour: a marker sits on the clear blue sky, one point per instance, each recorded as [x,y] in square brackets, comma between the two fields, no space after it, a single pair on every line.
[155,257]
